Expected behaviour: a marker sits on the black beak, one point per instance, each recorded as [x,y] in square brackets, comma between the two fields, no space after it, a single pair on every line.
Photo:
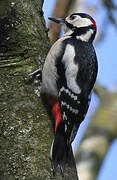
[57,20]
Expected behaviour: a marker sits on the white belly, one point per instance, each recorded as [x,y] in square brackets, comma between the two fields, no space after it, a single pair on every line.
[49,77]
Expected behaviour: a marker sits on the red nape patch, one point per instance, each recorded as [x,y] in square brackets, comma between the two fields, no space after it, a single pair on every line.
[56,112]
[94,23]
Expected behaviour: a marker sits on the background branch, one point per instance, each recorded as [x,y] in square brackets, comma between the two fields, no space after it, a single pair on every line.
[99,135]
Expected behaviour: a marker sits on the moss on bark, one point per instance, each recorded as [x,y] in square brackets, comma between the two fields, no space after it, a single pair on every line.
[25,129]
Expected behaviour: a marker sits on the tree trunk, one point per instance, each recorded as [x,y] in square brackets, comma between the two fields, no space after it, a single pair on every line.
[26,131]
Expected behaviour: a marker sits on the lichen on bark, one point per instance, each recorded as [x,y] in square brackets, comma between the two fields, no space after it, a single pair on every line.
[25,129]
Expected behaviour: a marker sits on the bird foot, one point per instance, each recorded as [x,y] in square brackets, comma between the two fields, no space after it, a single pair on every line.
[36,76]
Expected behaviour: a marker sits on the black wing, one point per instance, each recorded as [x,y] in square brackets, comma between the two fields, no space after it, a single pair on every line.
[74,106]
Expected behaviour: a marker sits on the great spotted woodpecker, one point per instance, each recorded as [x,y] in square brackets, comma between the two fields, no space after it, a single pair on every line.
[68,76]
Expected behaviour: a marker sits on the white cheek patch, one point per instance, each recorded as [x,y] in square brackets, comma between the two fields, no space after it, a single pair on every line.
[86,36]
[82,22]
[71,69]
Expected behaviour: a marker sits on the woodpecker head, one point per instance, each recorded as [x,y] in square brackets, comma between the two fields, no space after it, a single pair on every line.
[80,25]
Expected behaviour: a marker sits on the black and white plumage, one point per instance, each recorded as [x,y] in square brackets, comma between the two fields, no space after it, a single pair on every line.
[68,77]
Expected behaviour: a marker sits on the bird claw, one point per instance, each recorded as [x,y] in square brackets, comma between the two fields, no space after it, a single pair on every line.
[36,76]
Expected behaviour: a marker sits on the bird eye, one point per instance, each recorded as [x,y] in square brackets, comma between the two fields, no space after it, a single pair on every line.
[72,17]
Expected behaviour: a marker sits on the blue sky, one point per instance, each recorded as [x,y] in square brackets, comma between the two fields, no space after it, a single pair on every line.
[107,76]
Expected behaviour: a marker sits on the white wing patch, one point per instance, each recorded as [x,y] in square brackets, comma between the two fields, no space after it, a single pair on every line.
[73,110]
[63,89]
[71,69]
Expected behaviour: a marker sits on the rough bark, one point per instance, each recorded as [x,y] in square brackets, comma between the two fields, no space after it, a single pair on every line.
[25,129]
[98,137]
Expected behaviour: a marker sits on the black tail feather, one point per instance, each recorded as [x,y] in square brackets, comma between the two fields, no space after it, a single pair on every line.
[60,153]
